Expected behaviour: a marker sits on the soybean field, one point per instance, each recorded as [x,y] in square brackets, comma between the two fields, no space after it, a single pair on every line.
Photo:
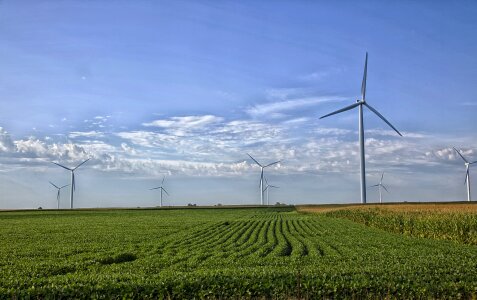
[266,253]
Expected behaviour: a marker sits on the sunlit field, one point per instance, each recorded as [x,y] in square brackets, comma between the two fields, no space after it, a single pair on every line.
[222,253]
[449,221]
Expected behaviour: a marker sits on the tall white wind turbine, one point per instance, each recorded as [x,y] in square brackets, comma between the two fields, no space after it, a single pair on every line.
[381,185]
[72,188]
[58,194]
[267,189]
[467,173]
[360,103]
[162,190]
[261,175]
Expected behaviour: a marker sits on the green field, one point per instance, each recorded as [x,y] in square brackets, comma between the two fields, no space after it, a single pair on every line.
[222,253]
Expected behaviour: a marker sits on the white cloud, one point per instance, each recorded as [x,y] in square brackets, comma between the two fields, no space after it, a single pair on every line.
[449,153]
[287,105]
[89,134]
[405,134]
[128,149]
[6,143]
[147,138]
[212,146]
[296,121]
[331,131]
[194,122]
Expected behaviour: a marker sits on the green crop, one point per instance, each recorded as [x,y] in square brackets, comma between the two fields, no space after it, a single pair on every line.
[222,253]
[455,225]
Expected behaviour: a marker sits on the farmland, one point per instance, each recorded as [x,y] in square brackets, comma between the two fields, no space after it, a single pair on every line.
[448,221]
[222,253]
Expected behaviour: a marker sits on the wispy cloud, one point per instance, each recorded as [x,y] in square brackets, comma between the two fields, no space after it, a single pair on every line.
[289,105]
[87,134]
[331,131]
[6,143]
[185,122]
[214,146]
[406,134]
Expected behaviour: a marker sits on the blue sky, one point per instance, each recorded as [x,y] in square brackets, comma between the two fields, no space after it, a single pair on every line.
[187,88]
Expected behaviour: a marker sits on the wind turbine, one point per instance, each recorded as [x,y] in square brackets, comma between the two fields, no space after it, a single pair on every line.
[162,190]
[381,185]
[261,175]
[72,188]
[467,173]
[360,103]
[267,188]
[58,194]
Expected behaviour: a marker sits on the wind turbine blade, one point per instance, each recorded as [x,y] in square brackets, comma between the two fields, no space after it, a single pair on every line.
[265,188]
[272,163]
[53,184]
[156,188]
[385,188]
[473,162]
[277,187]
[81,164]
[382,175]
[61,166]
[163,177]
[363,84]
[64,186]
[373,185]
[341,110]
[460,155]
[165,191]
[266,181]
[466,176]
[58,195]
[255,160]
[382,118]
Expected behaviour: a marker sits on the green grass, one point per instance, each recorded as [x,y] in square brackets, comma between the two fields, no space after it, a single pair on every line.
[222,253]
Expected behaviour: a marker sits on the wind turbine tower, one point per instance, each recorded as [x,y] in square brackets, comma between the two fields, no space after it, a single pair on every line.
[467,173]
[381,185]
[58,193]
[162,190]
[267,188]
[72,188]
[360,103]
[262,167]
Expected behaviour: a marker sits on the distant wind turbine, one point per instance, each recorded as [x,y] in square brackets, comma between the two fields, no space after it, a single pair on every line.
[72,188]
[381,185]
[162,189]
[58,194]
[467,173]
[359,103]
[261,175]
[267,189]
